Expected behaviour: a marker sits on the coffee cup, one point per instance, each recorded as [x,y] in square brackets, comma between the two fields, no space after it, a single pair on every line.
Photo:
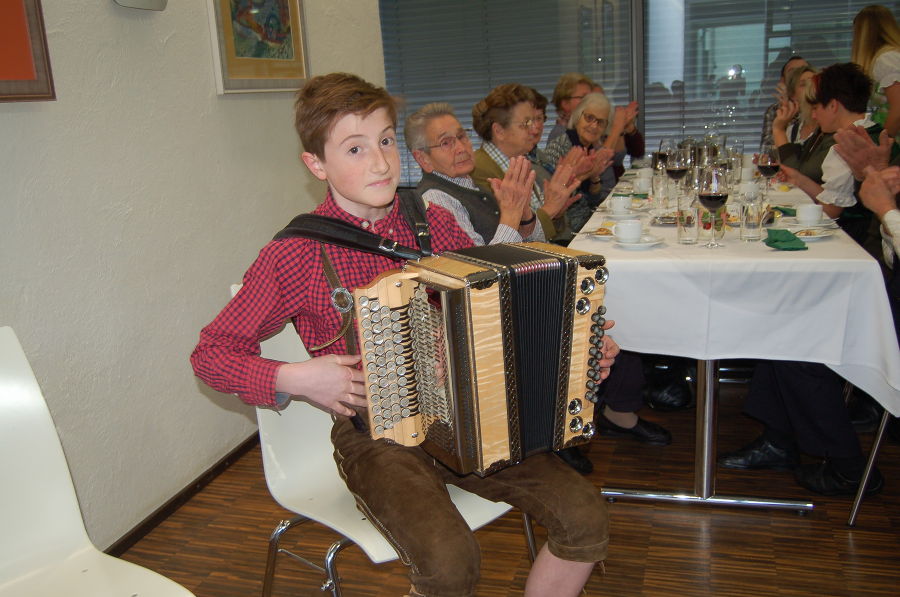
[642,185]
[627,231]
[809,214]
[749,189]
[619,204]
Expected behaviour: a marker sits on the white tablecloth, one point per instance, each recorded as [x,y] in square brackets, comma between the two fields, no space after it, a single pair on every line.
[827,304]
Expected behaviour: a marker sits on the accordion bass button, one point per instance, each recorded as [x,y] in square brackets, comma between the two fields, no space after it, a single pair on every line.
[575,406]
[583,306]
[601,275]
[576,424]
[589,430]
[587,286]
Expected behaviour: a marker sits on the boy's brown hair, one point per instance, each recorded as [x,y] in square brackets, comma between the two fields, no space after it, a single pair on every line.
[324,99]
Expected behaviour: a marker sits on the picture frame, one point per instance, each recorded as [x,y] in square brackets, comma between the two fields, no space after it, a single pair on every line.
[25,74]
[258,45]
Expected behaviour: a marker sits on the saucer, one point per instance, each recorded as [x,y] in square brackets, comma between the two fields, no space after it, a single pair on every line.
[791,222]
[646,241]
[627,214]
[811,234]
[601,233]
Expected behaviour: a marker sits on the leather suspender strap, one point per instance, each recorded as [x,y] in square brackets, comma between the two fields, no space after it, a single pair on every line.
[413,209]
[342,301]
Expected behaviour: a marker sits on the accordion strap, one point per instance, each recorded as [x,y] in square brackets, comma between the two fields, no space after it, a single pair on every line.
[344,234]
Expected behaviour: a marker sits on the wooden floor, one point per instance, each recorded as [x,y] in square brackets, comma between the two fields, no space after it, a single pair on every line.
[215,545]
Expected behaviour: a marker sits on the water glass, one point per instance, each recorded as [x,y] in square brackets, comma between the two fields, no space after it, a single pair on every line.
[687,220]
[660,191]
[751,220]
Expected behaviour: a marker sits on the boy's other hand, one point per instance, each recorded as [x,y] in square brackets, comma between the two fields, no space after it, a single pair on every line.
[331,383]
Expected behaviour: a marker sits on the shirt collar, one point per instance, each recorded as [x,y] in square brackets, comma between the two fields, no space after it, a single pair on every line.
[331,209]
[463,181]
[496,155]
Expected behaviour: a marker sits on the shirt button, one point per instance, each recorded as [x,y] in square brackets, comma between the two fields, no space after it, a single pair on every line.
[390,230]
[365,224]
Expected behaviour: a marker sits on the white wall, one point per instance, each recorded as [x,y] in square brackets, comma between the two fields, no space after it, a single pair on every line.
[127,207]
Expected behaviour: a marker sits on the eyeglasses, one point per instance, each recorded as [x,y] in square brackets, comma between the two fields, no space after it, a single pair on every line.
[449,143]
[591,119]
[578,97]
[531,122]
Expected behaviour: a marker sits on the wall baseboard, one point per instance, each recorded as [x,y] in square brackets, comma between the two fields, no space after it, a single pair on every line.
[166,510]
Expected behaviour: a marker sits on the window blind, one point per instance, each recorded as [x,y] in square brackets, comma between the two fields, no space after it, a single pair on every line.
[712,65]
[458,51]
[704,64]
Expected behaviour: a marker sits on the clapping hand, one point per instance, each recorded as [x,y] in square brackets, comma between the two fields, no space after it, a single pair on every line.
[859,151]
[880,188]
[558,191]
[514,192]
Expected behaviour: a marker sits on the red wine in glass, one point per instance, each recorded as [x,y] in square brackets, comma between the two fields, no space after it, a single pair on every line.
[676,172]
[769,170]
[712,201]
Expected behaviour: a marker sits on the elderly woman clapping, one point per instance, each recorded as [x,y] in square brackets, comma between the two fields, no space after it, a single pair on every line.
[509,122]
[591,130]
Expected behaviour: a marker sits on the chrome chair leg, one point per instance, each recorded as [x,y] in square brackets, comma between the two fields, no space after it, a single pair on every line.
[873,454]
[333,583]
[529,536]
[274,549]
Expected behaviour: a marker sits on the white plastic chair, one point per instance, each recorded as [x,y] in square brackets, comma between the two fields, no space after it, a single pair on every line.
[44,548]
[303,478]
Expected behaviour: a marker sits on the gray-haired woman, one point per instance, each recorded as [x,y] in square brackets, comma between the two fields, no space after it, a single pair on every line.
[591,128]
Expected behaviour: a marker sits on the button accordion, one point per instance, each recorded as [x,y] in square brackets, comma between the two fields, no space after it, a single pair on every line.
[484,356]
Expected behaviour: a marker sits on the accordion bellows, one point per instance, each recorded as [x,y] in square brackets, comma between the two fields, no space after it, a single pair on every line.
[484,356]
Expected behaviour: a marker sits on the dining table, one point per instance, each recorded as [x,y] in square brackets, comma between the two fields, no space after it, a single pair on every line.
[744,300]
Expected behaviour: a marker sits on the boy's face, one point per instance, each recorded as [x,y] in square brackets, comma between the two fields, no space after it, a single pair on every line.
[361,164]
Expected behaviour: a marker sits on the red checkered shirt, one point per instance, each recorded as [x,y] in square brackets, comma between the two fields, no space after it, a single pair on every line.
[287,282]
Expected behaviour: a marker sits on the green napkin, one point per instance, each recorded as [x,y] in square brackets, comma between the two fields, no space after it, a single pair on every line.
[640,195]
[784,240]
[788,211]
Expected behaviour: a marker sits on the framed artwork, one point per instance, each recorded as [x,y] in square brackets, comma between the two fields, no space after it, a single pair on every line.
[24,60]
[258,45]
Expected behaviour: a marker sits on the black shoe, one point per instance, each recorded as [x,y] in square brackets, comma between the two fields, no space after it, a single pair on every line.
[578,461]
[761,453]
[823,478]
[670,397]
[865,413]
[644,431]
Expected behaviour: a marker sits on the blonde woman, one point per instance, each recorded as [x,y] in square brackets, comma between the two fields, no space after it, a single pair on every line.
[876,48]
[803,126]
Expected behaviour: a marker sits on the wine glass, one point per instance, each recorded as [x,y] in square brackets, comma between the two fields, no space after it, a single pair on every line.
[768,164]
[666,146]
[677,163]
[713,193]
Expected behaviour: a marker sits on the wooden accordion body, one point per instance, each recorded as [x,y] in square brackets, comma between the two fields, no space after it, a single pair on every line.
[484,356]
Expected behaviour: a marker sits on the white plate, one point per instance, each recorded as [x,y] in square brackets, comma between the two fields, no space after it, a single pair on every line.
[791,222]
[647,241]
[811,234]
[631,213]
[598,235]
